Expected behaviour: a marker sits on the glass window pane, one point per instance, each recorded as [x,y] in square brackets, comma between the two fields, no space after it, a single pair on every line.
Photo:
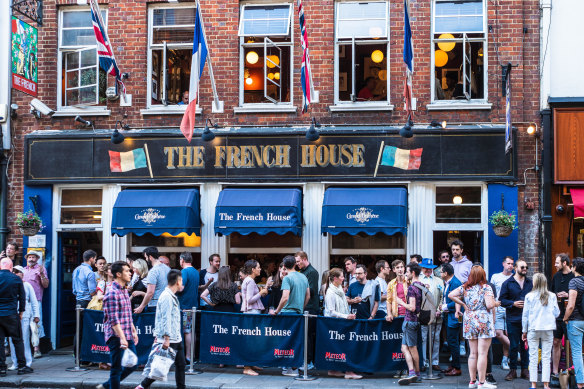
[459,16]
[78,19]
[173,35]
[253,74]
[88,58]
[88,76]
[72,97]
[271,239]
[87,95]
[459,8]
[72,60]
[72,79]
[449,82]
[85,215]
[458,214]
[173,16]
[363,241]
[81,197]
[263,21]
[361,29]
[78,38]
[469,195]
[361,10]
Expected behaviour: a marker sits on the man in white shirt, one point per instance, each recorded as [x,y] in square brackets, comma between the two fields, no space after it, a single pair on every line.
[382,268]
[497,279]
[436,286]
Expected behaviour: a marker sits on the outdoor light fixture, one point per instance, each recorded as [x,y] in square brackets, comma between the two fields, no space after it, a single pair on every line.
[86,123]
[118,137]
[446,46]
[406,131]
[312,135]
[207,134]
[252,57]
[377,56]
[444,124]
[457,200]
[434,123]
[532,130]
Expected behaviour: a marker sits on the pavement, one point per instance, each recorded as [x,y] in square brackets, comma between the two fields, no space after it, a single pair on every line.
[50,372]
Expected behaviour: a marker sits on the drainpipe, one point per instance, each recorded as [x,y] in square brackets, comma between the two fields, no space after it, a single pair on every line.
[4,230]
[546,190]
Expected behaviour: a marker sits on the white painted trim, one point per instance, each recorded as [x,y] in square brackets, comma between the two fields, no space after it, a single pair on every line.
[340,107]
[162,249]
[54,269]
[368,251]
[263,250]
[162,110]
[82,112]
[458,106]
[277,108]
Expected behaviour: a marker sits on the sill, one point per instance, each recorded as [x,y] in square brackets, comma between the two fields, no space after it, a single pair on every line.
[458,106]
[257,108]
[360,107]
[167,111]
[64,112]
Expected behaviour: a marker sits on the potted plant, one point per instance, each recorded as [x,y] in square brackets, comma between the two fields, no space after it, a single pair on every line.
[29,223]
[503,222]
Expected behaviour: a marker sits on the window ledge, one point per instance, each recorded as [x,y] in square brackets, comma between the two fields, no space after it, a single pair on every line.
[360,107]
[168,111]
[265,108]
[457,106]
[81,111]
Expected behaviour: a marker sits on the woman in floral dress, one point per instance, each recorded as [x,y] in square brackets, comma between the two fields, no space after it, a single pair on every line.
[477,299]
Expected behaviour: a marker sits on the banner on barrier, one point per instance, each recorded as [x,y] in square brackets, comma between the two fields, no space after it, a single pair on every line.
[93,346]
[359,345]
[275,341]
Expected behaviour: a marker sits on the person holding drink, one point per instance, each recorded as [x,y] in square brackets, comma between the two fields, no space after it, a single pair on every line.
[559,286]
[335,305]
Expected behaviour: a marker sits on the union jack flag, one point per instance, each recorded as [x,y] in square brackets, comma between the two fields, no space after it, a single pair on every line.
[305,73]
[408,59]
[107,61]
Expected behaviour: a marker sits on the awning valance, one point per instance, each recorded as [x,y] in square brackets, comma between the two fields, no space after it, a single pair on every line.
[578,201]
[368,210]
[259,210]
[156,211]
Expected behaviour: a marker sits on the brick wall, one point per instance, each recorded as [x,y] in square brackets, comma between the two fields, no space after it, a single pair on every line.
[514,38]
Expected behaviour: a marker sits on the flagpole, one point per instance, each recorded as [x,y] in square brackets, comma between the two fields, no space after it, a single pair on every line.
[217,105]
[378,158]
[148,159]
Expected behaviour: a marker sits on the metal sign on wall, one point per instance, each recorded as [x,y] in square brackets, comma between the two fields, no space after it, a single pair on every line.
[24,57]
[374,157]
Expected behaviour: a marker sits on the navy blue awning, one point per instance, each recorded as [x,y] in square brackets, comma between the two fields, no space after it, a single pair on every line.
[368,210]
[157,211]
[259,210]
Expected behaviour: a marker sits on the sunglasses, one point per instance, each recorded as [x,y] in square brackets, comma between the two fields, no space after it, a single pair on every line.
[444,256]
[523,267]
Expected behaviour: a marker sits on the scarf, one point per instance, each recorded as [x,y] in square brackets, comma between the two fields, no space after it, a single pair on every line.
[340,301]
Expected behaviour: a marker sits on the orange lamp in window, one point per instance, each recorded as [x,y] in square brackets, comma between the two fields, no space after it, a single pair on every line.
[440,58]
[446,46]
[377,56]
[252,57]
[275,61]
[382,75]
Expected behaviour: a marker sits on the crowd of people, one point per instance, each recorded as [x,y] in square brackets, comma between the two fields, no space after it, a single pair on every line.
[438,304]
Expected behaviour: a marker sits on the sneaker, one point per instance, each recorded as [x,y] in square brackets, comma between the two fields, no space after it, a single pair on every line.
[310,366]
[290,372]
[408,380]
[472,384]
[426,364]
[2,372]
[487,385]
[490,379]
[419,379]
[25,370]
[505,363]
[37,354]
[12,368]
[462,349]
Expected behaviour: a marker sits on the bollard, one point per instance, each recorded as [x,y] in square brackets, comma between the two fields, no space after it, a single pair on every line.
[191,370]
[77,367]
[429,375]
[305,376]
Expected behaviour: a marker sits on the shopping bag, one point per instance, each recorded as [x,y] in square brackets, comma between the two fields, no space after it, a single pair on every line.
[159,362]
[129,359]
[34,334]
[95,304]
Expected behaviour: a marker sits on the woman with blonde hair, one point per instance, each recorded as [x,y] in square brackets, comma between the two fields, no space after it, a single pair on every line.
[539,322]
[140,268]
[335,305]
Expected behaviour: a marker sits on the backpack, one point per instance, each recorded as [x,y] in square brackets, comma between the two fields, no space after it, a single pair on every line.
[427,314]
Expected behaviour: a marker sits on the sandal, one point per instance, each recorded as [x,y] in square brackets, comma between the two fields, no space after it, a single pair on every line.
[250,371]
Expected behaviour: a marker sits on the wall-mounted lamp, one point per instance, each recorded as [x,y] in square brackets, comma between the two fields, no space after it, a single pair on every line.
[118,137]
[406,131]
[207,134]
[13,109]
[434,123]
[444,124]
[532,130]
[312,135]
[86,123]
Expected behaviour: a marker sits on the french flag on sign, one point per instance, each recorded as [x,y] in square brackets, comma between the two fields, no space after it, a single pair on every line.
[126,161]
[197,65]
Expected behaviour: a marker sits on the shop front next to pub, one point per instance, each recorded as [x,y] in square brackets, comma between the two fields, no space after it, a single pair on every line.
[356,191]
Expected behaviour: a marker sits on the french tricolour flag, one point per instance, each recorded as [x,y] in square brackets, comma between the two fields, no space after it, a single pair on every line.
[402,158]
[197,65]
[126,161]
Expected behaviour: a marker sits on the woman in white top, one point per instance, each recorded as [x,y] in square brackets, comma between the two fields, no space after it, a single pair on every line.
[31,313]
[539,322]
[335,305]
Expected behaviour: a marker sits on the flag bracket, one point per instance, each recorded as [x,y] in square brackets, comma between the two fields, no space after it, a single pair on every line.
[218,106]
[32,9]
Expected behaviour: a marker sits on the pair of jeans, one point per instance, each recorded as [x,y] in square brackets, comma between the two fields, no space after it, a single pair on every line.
[179,368]
[514,330]
[25,323]
[454,345]
[436,327]
[547,340]
[117,373]
[11,327]
[575,332]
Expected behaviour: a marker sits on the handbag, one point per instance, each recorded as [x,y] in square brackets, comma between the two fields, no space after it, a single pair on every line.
[95,304]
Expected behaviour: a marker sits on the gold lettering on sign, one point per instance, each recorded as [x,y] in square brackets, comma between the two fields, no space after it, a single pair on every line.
[358,157]
[188,157]
[283,156]
[219,156]
[333,154]
[169,151]
[184,157]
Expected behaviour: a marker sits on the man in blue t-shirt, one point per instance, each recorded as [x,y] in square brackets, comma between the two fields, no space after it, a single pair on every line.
[188,297]
[363,295]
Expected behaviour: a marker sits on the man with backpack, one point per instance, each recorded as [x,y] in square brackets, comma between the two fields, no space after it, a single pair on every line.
[411,326]
[436,287]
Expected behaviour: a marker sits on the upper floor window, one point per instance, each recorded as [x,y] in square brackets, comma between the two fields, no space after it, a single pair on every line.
[459,40]
[266,54]
[170,46]
[361,52]
[81,81]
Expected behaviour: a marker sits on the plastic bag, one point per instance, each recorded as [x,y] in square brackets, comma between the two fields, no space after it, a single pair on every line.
[129,359]
[159,362]
[34,334]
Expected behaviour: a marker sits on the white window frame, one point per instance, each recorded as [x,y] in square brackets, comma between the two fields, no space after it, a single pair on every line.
[158,109]
[73,110]
[287,106]
[482,226]
[78,227]
[339,105]
[436,104]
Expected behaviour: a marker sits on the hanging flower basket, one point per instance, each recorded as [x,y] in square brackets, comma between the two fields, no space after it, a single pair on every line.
[29,223]
[502,231]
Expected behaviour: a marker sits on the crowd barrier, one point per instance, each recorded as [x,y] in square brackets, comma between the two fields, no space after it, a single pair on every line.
[265,340]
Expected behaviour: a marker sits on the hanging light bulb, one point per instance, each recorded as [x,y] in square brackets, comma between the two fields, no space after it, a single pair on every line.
[440,58]
[377,56]
[446,46]
[274,61]
[457,200]
[248,81]
[252,57]
[271,76]
[277,75]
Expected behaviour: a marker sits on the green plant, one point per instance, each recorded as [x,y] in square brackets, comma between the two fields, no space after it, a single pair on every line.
[504,219]
[29,219]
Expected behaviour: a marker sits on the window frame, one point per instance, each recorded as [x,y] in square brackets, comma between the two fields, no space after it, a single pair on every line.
[469,103]
[78,227]
[161,108]
[284,106]
[361,105]
[71,110]
[482,226]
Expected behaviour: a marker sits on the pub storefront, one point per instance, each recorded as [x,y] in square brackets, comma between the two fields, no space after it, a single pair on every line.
[357,191]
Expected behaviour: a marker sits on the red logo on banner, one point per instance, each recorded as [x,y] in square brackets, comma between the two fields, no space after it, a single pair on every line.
[101,349]
[331,357]
[220,350]
[397,356]
[284,353]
